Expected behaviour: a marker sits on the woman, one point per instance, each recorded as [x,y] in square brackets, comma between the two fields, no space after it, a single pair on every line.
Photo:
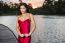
[25,20]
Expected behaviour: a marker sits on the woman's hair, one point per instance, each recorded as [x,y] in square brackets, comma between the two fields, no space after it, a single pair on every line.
[26,6]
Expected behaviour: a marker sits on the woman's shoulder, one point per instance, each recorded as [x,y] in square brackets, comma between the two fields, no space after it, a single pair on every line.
[30,14]
[18,16]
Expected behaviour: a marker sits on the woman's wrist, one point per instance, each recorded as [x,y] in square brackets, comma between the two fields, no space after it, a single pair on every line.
[20,34]
[30,33]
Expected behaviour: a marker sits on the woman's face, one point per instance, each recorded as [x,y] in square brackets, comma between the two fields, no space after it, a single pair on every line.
[22,9]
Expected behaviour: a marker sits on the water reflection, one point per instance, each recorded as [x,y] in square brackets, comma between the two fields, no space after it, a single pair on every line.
[49,29]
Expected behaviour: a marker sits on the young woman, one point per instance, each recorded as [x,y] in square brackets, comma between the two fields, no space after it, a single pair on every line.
[25,24]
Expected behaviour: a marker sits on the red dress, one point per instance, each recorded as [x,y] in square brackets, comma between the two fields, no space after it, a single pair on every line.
[24,29]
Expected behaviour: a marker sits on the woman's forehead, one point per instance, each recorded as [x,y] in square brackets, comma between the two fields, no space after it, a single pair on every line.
[22,6]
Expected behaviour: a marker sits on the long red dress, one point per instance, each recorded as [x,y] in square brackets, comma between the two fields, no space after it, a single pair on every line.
[24,29]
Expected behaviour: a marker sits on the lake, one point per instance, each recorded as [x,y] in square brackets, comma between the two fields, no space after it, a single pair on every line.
[49,29]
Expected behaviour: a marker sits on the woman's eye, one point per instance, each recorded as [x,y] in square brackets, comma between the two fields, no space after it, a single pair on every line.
[22,8]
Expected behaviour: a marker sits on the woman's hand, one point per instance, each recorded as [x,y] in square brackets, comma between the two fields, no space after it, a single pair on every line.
[26,35]
[22,35]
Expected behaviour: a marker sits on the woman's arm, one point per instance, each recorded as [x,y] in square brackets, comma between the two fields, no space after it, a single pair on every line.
[33,25]
[18,28]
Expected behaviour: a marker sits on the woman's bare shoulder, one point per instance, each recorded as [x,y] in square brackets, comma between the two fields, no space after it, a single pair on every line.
[30,14]
[18,16]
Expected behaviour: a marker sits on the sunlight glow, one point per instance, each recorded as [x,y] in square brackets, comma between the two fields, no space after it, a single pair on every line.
[34,3]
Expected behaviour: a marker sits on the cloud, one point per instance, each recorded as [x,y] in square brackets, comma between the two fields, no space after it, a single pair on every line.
[35,3]
[17,1]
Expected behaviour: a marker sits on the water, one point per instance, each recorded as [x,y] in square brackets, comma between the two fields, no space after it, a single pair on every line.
[49,29]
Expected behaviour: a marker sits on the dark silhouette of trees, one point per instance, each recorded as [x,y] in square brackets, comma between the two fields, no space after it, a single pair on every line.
[55,7]
[49,7]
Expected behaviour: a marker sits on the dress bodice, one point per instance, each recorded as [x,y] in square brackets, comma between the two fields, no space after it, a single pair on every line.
[24,26]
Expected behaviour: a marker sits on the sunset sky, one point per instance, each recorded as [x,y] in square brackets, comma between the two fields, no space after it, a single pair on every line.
[35,3]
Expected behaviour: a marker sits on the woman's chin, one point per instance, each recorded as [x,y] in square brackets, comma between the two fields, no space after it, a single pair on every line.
[23,12]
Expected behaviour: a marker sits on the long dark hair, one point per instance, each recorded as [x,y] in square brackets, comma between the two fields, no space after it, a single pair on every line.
[24,4]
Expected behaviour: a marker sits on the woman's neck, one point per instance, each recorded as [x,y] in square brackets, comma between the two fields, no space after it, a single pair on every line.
[23,14]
